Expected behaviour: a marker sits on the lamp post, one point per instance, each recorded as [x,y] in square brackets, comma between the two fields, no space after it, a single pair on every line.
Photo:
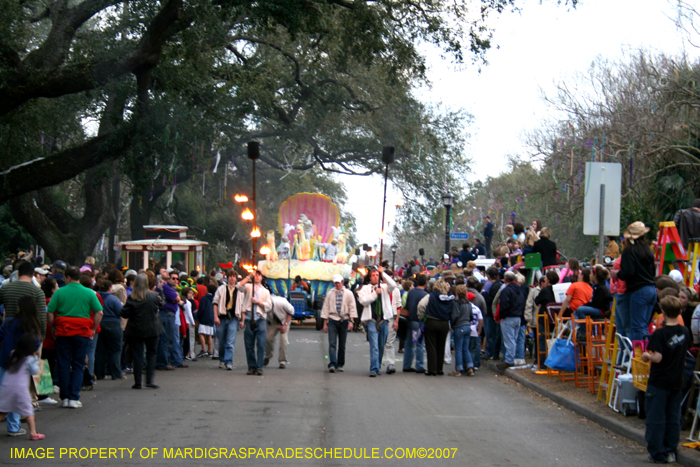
[393,257]
[387,158]
[253,155]
[447,202]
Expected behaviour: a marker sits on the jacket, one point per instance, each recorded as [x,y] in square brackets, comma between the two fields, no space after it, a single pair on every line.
[512,301]
[547,250]
[171,298]
[367,296]
[688,224]
[347,308]
[489,296]
[478,300]
[637,271]
[220,301]
[112,308]
[436,305]
[461,313]
[530,314]
[281,308]
[414,296]
[265,304]
[142,316]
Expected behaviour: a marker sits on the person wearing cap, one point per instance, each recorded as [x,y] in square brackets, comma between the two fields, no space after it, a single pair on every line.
[488,235]
[377,301]
[40,275]
[278,322]
[445,264]
[57,269]
[338,313]
[637,270]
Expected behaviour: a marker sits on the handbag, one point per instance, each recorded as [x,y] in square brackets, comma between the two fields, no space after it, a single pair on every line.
[43,383]
[563,355]
[417,335]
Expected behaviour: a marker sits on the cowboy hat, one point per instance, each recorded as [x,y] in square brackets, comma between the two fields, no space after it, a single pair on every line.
[636,230]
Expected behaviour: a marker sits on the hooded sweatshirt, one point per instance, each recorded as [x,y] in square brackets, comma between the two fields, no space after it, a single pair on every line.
[440,306]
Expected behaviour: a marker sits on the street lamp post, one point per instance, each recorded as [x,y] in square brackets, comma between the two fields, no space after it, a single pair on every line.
[393,257]
[387,158]
[447,202]
[253,155]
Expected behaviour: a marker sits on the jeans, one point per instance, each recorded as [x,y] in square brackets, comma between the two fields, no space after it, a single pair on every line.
[462,336]
[622,313]
[165,340]
[641,306]
[520,343]
[581,313]
[136,345]
[510,327]
[389,350]
[176,346]
[92,348]
[13,418]
[255,338]
[227,331]
[109,351]
[411,348]
[377,341]
[493,337]
[663,421]
[475,350]
[70,355]
[337,336]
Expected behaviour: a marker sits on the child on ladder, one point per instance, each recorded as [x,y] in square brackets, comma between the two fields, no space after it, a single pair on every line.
[666,352]
[14,390]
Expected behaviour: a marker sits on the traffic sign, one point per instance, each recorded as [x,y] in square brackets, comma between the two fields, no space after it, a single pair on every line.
[458,236]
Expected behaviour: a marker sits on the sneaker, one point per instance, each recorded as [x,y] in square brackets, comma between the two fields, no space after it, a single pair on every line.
[390,370]
[202,354]
[129,371]
[188,358]
[65,403]
[74,404]
[21,432]
[340,369]
[331,369]
[229,367]
[455,373]
[670,457]
[221,365]
[259,372]
[283,366]
[519,361]
[373,375]
[47,401]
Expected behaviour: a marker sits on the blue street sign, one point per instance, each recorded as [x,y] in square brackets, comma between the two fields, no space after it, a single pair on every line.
[458,236]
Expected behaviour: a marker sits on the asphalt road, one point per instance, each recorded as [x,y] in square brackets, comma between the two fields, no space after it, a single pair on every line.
[486,420]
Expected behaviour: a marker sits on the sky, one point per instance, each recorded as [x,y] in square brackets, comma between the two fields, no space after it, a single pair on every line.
[538,46]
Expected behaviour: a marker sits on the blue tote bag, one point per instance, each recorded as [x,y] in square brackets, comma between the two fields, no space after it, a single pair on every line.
[562,355]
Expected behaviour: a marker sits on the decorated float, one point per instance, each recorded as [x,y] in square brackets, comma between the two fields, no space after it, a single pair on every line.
[313,245]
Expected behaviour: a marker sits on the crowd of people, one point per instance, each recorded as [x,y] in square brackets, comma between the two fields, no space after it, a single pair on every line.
[91,323]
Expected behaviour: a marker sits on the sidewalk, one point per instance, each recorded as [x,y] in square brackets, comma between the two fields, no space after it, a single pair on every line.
[586,405]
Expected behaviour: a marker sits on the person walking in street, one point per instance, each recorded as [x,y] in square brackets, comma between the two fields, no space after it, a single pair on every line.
[228,303]
[338,314]
[436,309]
[278,320]
[256,305]
[141,311]
[377,301]
[512,307]
[415,295]
[637,270]
[69,314]
[488,235]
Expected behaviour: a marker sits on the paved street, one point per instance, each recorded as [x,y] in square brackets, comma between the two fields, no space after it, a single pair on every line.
[491,421]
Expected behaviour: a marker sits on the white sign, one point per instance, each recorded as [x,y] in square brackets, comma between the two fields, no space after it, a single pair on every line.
[608,174]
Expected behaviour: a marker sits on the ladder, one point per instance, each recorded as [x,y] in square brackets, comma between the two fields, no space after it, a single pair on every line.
[693,258]
[607,373]
[669,250]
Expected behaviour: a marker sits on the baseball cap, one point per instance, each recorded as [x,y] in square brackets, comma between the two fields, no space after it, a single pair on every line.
[337,278]
[130,272]
[676,276]
[445,256]
[85,268]
[58,264]
[41,271]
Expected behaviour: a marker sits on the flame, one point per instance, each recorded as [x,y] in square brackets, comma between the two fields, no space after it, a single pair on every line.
[248,215]
[265,250]
[255,233]
[362,271]
[241,198]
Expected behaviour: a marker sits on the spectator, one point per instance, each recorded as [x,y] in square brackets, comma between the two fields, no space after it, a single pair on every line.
[109,345]
[546,248]
[512,307]
[436,308]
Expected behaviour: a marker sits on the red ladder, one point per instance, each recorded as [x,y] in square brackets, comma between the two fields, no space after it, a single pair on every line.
[668,236]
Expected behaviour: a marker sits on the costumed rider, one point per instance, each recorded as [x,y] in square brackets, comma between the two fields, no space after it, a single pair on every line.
[284,250]
[331,251]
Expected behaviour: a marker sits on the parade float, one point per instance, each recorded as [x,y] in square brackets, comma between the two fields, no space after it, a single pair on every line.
[313,245]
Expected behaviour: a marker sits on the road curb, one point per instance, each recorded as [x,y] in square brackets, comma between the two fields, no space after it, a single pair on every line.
[609,423]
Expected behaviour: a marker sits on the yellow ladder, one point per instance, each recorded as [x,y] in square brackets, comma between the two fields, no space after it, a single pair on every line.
[693,257]
[607,376]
